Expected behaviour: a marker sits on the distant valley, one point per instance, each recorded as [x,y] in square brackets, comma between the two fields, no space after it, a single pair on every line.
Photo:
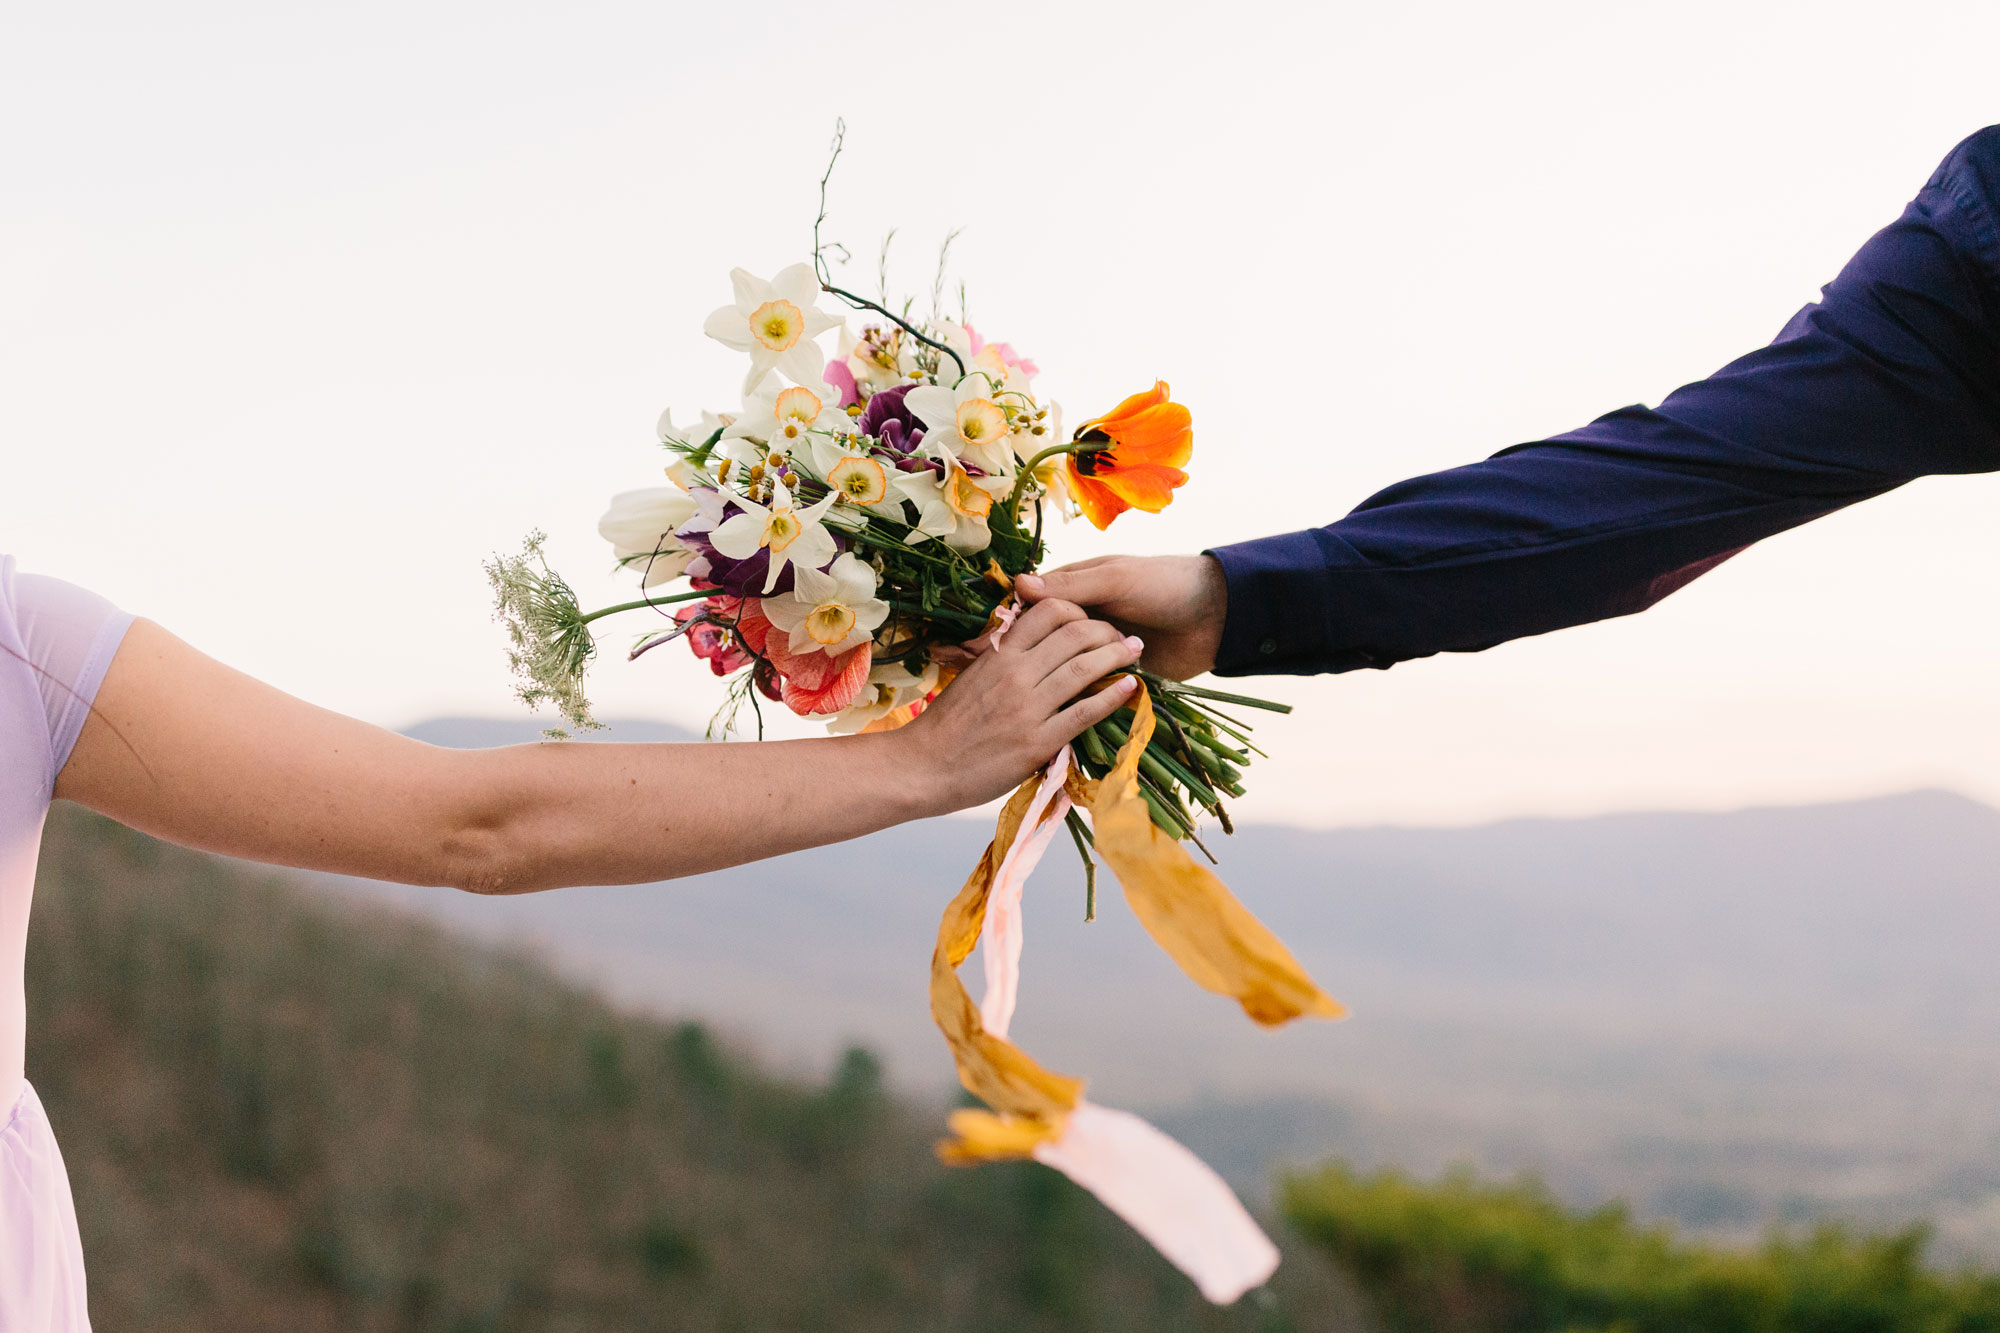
[1729,1019]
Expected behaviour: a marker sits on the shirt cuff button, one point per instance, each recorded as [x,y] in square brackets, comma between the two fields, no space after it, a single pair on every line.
[1269,647]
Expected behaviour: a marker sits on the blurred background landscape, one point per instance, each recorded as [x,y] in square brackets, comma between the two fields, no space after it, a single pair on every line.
[300,1101]
[305,310]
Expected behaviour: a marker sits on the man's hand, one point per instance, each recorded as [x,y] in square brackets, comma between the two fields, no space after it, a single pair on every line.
[1175,603]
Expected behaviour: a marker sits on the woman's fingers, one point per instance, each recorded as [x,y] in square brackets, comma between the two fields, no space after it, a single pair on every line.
[1092,709]
[1037,623]
[1097,654]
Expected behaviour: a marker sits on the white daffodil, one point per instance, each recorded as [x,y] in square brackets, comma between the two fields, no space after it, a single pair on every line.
[792,536]
[640,526]
[964,422]
[785,418]
[864,484]
[774,322]
[953,508]
[891,685]
[829,612]
[830,451]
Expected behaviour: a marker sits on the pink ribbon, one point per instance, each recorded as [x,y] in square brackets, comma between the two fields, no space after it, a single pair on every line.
[1162,1190]
[1000,950]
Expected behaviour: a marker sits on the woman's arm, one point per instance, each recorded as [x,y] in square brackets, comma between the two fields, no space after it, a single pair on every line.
[183,747]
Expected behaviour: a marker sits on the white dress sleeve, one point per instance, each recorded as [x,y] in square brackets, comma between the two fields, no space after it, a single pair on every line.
[70,636]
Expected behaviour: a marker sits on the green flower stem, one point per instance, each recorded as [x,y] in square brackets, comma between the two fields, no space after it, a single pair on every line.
[1027,474]
[1080,834]
[1227,753]
[1215,762]
[1163,814]
[695,595]
[1156,767]
[1093,747]
[1214,756]
[1183,688]
[1239,730]
[1186,761]
[1159,762]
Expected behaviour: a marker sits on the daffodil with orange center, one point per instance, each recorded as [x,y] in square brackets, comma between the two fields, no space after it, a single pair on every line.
[784,418]
[829,612]
[966,422]
[954,507]
[792,535]
[775,322]
[1131,458]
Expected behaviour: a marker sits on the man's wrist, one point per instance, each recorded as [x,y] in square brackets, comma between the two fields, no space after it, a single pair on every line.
[1213,596]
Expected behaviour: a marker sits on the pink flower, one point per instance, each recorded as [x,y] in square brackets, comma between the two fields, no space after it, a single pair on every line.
[1008,356]
[714,643]
[840,377]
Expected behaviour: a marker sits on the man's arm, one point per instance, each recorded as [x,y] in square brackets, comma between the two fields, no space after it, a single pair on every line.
[1893,375]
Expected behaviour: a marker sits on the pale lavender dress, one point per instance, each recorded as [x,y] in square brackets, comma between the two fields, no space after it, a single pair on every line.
[55,643]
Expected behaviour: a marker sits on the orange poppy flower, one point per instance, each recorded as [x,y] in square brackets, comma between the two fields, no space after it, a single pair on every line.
[1143,443]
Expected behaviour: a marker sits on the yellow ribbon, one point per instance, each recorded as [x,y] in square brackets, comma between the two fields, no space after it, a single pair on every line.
[1033,1102]
[1183,906]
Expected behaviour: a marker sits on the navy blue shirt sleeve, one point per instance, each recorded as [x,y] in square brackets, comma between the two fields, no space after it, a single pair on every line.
[1894,374]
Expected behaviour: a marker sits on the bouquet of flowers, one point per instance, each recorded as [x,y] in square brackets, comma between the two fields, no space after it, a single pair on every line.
[845,537]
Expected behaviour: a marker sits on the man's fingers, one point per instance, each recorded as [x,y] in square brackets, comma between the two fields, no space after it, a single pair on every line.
[1087,583]
[1093,709]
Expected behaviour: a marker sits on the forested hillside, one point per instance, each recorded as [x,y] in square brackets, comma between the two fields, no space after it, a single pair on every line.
[283,1115]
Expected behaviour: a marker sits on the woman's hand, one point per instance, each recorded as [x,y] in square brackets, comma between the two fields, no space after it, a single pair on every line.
[1177,603]
[1015,706]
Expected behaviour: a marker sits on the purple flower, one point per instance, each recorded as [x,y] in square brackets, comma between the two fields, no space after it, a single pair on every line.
[899,429]
[739,578]
[889,421]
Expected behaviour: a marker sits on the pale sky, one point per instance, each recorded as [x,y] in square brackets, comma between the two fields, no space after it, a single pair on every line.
[305,310]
